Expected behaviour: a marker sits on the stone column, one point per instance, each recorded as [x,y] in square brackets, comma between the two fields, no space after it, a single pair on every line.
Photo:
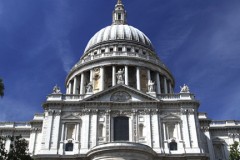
[102,78]
[166,149]
[55,132]
[193,130]
[82,87]
[60,151]
[49,130]
[94,128]
[209,143]
[170,87]
[85,133]
[91,75]
[70,87]
[138,78]
[149,76]
[32,140]
[126,75]
[113,75]
[156,131]
[185,130]
[148,129]
[76,144]
[165,86]
[75,85]
[158,83]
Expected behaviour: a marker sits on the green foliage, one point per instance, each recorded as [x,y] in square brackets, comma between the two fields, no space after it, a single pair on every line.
[234,152]
[18,149]
[1,88]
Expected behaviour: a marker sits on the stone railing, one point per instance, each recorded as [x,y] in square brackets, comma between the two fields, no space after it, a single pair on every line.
[73,96]
[11,124]
[168,96]
[127,54]
[174,96]
[225,123]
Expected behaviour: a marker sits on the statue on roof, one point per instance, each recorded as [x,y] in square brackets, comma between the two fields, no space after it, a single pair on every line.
[151,86]
[56,89]
[184,89]
[89,87]
[120,76]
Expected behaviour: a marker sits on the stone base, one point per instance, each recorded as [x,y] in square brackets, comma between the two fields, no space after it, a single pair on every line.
[152,94]
[88,94]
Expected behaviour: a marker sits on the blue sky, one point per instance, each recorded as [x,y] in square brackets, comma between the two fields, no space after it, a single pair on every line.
[199,40]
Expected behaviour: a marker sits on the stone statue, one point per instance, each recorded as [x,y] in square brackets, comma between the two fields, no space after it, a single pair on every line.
[184,89]
[56,90]
[120,76]
[89,87]
[151,86]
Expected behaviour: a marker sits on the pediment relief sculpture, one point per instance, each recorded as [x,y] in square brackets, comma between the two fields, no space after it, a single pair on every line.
[121,96]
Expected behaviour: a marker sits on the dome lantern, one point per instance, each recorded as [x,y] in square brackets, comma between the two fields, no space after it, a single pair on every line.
[119,15]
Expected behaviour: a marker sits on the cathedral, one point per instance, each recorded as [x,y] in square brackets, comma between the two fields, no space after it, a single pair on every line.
[120,105]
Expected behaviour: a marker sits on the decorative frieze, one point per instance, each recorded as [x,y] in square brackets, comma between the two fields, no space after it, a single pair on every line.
[187,111]
[233,135]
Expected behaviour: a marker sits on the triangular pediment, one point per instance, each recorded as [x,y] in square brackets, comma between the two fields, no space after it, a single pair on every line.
[121,93]
[171,116]
[70,116]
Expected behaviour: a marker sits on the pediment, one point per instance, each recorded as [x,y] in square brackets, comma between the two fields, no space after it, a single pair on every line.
[70,116]
[171,116]
[121,93]
[218,140]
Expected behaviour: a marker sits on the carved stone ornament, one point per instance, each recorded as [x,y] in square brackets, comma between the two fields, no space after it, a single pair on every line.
[187,111]
[95,111]
[155,111]
[184,89]
[56,90]
[58,112]
[120,96]
[86,111]
[50,112]
[233,135]
[205,129]
[107,112]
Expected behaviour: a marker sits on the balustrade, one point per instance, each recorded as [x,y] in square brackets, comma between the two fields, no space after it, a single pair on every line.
[130,54]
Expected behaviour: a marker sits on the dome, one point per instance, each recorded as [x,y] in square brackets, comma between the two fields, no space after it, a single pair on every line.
[119,33]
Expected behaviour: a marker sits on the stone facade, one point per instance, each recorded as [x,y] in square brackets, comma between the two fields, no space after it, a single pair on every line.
[120,104]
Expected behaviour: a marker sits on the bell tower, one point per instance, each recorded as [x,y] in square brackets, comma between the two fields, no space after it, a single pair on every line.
[119,15]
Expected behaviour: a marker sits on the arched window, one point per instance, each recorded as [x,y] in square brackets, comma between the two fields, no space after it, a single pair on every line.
[69,147]
[100,130]
[173,146]
[121,129]
[141,130]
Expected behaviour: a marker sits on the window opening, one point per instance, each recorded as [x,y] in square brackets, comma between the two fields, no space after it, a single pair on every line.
[69,147]
[119,16]
[129,49]
[70,131]
[120,49]
[173,146]
[103,51]
[141,130]
[121,129]
[111,49]
[100,130]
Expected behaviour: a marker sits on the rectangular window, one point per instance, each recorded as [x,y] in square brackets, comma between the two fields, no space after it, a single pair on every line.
[111,49]
[103,51]
[70,131]
[119,16]
[136,50]
[129,49]
[120,49]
